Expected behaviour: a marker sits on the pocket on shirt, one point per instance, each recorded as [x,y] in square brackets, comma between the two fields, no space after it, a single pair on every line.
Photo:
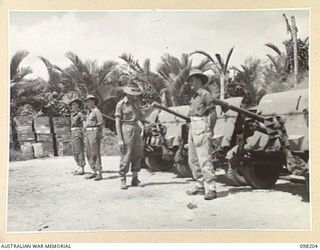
[127,114]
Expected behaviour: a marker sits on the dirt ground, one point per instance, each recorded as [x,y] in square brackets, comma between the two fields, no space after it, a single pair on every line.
[43,195]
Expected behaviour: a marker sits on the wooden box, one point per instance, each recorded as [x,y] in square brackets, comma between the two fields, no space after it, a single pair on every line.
[26,137]
[23,120]
[48,148]
[27,150]
[42,125]
[23,129]
[65,148]
[45,137]
[38,150]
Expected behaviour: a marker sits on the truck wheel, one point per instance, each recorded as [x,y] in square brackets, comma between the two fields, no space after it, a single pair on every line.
[307,183]
[236,177]
[261,175]
[155,163]
[183,170]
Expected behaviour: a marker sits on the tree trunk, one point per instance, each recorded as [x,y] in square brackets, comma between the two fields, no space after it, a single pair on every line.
[294,31]
[222,83]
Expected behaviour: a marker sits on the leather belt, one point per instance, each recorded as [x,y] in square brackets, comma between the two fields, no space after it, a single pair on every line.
[197,118]
[129,123]
[76,128]
[92,128]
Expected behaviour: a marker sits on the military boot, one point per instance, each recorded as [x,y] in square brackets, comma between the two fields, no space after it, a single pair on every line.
[135,182]
[80,171]
[91,176]
[195,191]
[99,176]
[123,182]
[211,195]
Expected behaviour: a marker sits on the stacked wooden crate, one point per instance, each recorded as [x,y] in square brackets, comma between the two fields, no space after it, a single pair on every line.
[45,136]
[25,134]
[61,127]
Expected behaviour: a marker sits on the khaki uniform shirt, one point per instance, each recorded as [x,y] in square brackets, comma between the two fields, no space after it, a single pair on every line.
[128,112]
[94,118]
[77,119]
[201,103]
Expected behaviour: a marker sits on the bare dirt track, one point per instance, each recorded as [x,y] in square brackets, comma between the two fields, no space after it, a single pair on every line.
[43,195]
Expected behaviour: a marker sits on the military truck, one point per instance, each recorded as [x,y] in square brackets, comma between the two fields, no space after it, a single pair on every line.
[253,148]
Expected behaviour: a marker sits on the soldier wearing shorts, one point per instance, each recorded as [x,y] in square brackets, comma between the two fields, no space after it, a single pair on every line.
[128,114]
[203,118]
[93,134]
[77,141]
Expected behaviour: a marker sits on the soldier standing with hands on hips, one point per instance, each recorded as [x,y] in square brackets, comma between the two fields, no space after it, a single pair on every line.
[77,119]
[128,114]
[203,118]
[93,133]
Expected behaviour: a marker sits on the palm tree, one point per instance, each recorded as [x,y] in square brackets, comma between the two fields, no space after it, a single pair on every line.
[17,78]
[279,62]
[87,77]
[174,73]
[221,66]
[55,76]
[283,62]
[150,81]
[248,82]
[17,73]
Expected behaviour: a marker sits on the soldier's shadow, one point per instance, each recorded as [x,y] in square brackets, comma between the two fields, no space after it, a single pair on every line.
[289,187]
[234,190]
[109,171]
[145,184]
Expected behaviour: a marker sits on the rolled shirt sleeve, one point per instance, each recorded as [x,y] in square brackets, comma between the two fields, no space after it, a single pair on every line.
[118,112]
[99,117]
[208,99]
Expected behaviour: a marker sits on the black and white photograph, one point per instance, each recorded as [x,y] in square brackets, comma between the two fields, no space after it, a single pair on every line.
[139,120]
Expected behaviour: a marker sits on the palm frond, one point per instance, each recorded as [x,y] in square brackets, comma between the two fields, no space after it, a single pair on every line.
[83,72]
[54,77]
[47,63]
[77,62]
[184,61]
[235,68]
[169,65]
[181,78]
[244,68]
[103,76]
[203,64]
[23,72]
[15,62]
[132,62]
[274,48]
[203,53]
[228,59]
[220,61]
[274,62]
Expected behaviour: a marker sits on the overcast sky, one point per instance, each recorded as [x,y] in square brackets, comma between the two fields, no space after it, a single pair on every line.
[148,34]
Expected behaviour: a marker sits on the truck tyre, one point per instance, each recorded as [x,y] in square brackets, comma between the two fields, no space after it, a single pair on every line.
[183,170]
[236,177]
[307,183]
[261,175]
[156,163]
